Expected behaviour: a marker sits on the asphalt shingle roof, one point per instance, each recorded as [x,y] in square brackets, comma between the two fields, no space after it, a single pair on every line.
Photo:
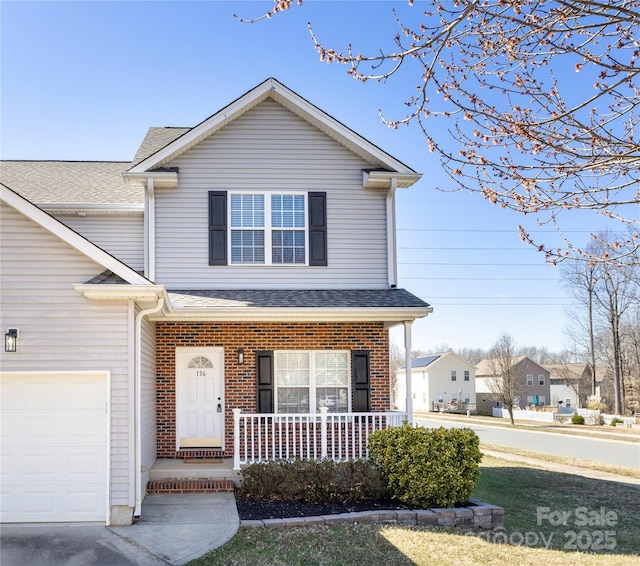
[155,140]
[70,182]
[334,298]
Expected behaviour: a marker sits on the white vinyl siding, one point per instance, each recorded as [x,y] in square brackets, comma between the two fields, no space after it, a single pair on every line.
[121,236]
[148,400]
[271,150]
[59,329]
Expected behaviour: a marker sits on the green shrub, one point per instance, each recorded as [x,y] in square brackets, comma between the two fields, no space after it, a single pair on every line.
[427,467]
[616,421]
[577,419]
[312,481]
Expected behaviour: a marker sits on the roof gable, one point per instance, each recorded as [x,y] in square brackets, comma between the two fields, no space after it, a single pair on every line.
[71,237]
[274,90]
[487,367]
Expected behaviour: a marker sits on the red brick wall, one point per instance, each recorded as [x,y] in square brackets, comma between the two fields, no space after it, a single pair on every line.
[240,380]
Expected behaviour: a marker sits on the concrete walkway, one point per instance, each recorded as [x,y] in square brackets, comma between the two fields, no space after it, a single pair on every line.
[181,527]
[564,468]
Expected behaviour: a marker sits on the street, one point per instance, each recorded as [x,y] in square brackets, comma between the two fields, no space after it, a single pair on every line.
[594,449]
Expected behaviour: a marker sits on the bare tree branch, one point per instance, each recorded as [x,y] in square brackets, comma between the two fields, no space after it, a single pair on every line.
[542,98]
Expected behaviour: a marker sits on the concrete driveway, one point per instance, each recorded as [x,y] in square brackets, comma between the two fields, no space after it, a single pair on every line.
[173,529]
[69,545]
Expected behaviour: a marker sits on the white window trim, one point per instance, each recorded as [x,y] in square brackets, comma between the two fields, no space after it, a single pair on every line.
[529,380]
[313,409]
[541,379]
[268,252]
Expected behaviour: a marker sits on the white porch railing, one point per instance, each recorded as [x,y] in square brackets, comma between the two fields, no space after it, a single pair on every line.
[340,436]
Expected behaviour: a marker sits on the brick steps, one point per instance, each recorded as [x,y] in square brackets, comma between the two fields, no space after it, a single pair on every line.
[190,485]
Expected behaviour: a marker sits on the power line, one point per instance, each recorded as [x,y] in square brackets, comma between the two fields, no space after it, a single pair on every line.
[447,264]
[492,230]
[467,279]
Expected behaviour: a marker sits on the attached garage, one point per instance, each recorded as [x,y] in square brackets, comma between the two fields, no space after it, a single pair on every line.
[54,446]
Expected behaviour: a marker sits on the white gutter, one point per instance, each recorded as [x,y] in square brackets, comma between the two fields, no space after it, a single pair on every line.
[392,268]
[138,403]
[297,314]
[151,229]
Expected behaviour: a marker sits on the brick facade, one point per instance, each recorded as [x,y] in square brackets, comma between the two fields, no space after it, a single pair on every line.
[240,380]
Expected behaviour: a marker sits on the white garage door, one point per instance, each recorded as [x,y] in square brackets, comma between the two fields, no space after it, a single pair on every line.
[54,447]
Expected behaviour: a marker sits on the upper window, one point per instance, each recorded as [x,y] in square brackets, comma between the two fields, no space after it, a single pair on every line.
[541,379]
[529,379]
[466,375]
[267,228]
[453,375]
[307,381]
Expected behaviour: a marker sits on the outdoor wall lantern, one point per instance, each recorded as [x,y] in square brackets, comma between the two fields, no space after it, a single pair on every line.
[11,340]
[240,356]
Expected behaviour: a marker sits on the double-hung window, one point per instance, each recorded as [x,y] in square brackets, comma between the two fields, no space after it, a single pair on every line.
[453,375]
[307,381]
[529,379]
[541,379]
[268,228]
[247,228]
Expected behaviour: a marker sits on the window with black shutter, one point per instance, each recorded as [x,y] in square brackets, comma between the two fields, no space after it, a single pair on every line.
[267,228]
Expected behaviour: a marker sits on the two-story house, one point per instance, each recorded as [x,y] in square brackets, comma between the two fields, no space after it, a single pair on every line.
[222,295]
[532,383]
[439,382]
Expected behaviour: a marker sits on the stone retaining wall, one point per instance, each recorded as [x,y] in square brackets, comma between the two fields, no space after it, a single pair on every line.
[479,516]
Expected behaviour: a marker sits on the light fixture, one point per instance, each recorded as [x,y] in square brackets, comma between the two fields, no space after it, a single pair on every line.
[11,340]
[240,356]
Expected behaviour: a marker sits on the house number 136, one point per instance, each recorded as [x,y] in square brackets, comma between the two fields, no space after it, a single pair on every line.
[201,373]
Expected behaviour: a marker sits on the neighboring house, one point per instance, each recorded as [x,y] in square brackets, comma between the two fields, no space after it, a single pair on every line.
[570,384]
[245,266]
[573,382]
[533,384]
[439,382]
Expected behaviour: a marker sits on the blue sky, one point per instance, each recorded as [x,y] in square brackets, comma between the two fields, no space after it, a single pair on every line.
[84,81]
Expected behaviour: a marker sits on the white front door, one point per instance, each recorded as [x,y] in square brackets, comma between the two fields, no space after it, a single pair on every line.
[200,397]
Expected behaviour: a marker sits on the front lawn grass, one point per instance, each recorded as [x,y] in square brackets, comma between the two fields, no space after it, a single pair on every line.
[520,489]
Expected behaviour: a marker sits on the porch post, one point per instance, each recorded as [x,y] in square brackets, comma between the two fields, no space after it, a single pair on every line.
[407,365]
[236,440]
[323,432]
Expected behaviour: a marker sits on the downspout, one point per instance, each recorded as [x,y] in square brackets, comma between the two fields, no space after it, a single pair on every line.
[151,230]
[392,267]
[407,365]
[138,403]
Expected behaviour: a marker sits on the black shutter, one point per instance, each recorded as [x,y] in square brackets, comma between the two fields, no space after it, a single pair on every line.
[217,228]
[360,381]
[265,381]
[318,228]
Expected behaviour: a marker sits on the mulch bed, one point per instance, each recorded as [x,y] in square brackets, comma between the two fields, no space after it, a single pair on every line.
[251,510]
